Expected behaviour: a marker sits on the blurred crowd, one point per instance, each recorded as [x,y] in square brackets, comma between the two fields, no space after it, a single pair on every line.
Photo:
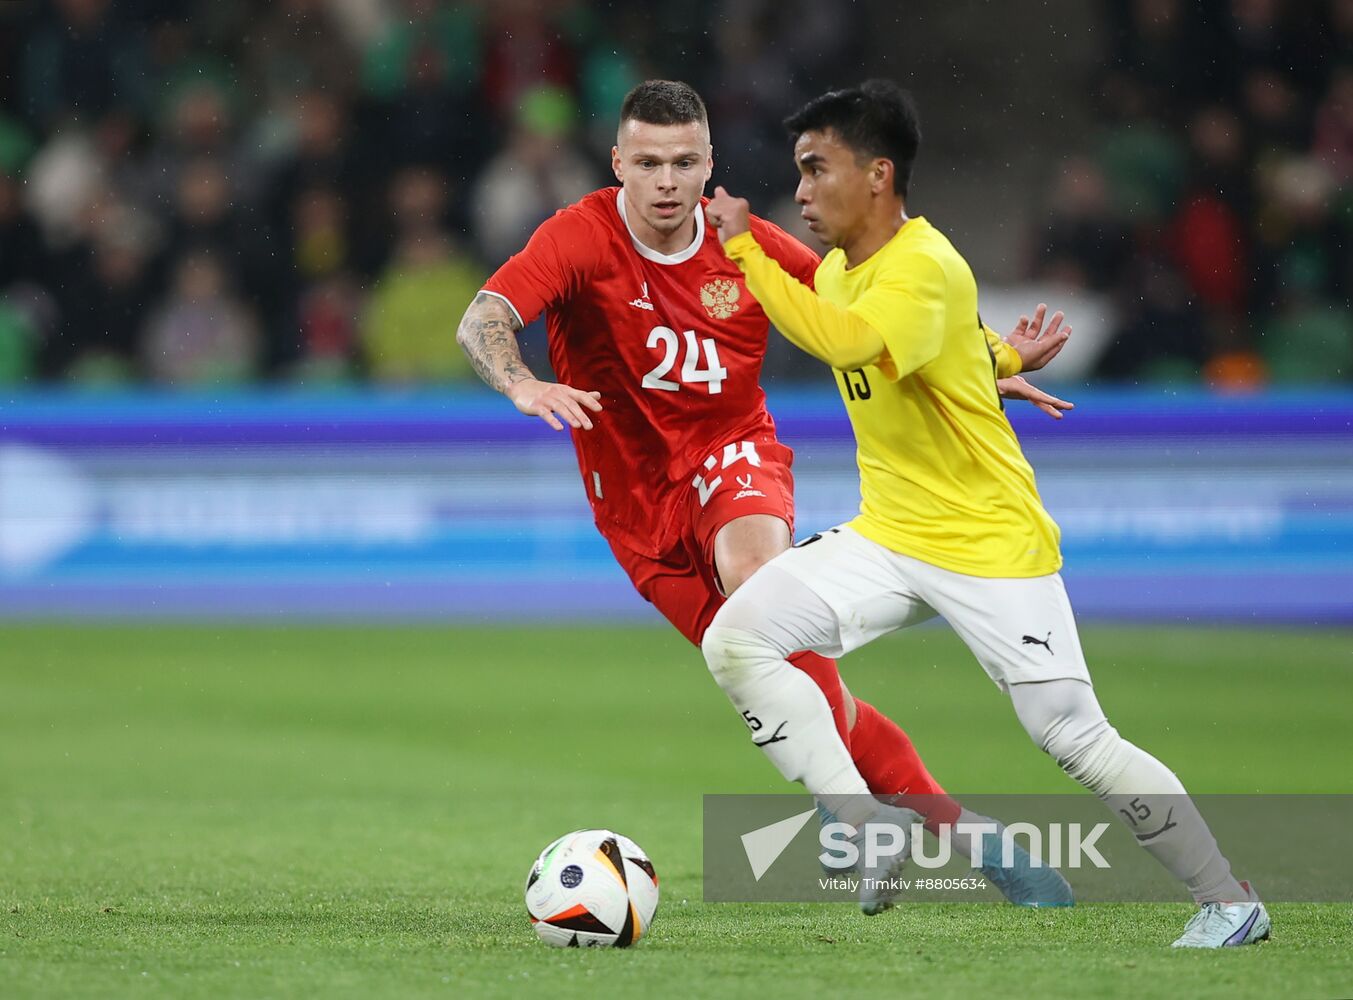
[195,192]
[1214,205]
[311,191]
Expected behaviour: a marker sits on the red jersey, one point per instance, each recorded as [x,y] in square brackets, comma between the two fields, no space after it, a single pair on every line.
[673,342]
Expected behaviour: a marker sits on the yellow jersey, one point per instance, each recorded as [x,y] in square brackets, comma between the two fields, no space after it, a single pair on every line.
[942,476]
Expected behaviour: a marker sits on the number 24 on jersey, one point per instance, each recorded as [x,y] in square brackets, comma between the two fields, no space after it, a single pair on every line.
[712,374]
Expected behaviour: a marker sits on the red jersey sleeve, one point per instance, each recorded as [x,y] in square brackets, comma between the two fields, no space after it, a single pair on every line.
[793,256]
[556,262]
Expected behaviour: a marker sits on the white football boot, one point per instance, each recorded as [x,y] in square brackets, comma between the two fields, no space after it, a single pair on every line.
[1227,925]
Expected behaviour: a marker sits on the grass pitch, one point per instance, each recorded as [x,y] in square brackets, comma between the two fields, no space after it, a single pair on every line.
[225,811]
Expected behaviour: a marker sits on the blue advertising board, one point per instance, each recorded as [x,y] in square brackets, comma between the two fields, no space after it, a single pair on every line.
[454,507]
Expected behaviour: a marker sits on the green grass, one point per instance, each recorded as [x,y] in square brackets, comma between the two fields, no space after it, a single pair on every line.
[221,811]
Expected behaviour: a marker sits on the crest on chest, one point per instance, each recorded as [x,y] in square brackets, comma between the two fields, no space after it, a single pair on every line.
[720,297]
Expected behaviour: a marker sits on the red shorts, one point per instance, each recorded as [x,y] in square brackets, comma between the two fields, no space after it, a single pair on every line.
[739,478]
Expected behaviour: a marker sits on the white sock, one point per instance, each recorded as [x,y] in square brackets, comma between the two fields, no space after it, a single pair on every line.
[1065,719]
[1150,800]
[790,719]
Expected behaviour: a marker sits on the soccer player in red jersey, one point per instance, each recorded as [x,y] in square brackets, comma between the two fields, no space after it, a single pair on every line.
[658,346]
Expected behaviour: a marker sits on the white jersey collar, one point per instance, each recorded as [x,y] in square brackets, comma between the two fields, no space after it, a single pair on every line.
[647,252]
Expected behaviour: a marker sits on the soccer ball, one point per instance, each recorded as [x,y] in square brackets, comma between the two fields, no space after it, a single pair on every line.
[592,888]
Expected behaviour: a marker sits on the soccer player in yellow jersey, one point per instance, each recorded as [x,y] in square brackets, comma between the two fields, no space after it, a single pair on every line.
[950,520]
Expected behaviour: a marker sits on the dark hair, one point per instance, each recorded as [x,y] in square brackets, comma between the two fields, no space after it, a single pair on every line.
[663,102]
[877,118]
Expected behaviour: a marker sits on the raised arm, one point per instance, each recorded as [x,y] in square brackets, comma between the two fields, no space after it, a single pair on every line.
[488,335]
[829,333]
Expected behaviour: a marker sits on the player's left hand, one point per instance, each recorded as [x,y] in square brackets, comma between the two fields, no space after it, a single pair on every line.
[1036,344]
[729,215]
[1019,388]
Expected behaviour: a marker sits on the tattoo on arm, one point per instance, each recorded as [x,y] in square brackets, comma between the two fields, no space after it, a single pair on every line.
[488,335]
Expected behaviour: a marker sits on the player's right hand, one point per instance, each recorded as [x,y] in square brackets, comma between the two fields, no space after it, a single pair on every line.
[729,215]
[545,399]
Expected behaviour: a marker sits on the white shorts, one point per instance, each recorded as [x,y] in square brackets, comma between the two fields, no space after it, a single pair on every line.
[1020,630]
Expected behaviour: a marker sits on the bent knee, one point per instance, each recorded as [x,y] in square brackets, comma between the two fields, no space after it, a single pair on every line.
[1061,717]
[746,544]
[733,573]
[736,568]
[731,652]
[1065,743]
[1093,759]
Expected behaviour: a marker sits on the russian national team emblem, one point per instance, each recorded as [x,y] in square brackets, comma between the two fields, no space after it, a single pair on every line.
[720,297]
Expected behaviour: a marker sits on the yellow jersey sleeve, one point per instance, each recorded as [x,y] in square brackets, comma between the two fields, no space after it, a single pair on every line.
[840,337]
[897,325]
[1008,361]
